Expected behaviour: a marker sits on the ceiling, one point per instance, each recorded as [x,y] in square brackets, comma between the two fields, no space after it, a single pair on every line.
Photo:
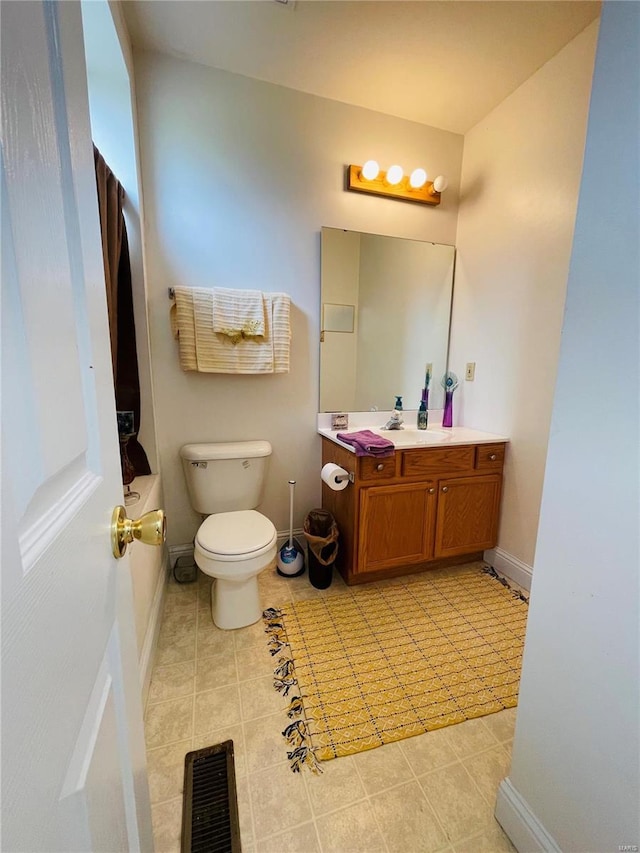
[445,63]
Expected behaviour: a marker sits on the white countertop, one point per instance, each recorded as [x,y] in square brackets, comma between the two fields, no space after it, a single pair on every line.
[411,437]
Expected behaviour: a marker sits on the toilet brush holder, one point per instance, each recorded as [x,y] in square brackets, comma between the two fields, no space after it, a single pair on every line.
[290,559]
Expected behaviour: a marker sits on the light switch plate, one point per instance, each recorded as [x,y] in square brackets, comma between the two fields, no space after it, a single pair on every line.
[470,372]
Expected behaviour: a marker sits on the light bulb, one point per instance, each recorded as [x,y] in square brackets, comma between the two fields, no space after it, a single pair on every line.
[440,183]
[394,175]
[418,179]
[370,170]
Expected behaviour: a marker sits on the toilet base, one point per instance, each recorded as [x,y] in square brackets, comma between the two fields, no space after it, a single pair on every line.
[235,604]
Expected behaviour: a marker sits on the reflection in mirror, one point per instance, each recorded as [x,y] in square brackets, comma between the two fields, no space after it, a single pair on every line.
[337,318]
[401,293]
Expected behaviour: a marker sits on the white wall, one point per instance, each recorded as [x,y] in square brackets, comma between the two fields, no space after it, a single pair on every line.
[239,177]
[576,751]
[520,177]
[113,128]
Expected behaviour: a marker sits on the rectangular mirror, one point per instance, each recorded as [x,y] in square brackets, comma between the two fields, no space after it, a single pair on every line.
[401,292]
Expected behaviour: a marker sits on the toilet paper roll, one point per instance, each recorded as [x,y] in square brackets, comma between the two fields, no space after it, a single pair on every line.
[329,473]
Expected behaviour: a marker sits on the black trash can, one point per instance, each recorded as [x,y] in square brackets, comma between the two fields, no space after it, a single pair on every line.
[321,533]
[185,570]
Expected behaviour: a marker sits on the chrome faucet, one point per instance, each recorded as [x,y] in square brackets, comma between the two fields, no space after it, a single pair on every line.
[395,421]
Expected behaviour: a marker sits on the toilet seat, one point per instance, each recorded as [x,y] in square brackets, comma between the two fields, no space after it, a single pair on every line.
[235,536]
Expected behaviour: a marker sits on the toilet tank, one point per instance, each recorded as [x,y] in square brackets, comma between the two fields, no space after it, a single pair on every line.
[225,477]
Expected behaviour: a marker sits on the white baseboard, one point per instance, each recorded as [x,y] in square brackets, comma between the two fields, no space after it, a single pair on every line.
[509,566]
[145,664]
[176,551]
[283,536]
[525,831]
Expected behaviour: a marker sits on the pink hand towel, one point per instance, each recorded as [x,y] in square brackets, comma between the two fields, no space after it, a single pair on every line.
[367,443]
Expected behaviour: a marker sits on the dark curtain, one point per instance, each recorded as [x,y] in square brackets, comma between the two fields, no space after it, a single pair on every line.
[117,273]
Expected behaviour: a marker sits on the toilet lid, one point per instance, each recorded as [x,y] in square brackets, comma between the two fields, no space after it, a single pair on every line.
[235,533]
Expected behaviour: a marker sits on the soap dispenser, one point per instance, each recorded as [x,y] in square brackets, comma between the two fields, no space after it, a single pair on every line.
[422,415]
[398,404]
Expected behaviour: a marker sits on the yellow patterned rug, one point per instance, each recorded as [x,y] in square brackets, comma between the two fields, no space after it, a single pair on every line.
[377,664]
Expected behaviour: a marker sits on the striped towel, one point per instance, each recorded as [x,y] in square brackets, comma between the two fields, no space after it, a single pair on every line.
[204,350]
[238,313]
[281,330]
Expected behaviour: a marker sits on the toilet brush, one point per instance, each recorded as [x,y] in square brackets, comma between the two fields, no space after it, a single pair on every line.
[290,560]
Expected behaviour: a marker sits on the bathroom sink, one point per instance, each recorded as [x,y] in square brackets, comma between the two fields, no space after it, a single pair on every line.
[412,437]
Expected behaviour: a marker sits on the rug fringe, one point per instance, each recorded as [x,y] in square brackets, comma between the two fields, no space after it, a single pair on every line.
[295,707]
[271,613]
[284,668]
[304,755]
[489,570]
[284,685]
[276,644]
[296,733]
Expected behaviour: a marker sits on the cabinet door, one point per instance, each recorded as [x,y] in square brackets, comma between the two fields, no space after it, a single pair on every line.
[467,517]
[396,525]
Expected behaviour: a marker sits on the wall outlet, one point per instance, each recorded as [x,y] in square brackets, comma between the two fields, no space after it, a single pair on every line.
[470,372]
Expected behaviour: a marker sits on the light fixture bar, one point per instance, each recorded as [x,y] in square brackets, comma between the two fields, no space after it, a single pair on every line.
[403,190]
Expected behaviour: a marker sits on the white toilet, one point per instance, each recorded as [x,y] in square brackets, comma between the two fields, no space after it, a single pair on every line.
[234,543]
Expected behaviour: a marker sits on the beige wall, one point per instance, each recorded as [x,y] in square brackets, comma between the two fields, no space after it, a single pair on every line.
[520,179]
[575,774]
[239,176]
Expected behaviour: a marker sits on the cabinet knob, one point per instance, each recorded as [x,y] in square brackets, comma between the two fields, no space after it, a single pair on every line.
[492,457]
[380,466]
[432,491]
[445,488]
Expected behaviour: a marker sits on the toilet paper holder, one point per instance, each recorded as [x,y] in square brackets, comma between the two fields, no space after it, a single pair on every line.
[348,475]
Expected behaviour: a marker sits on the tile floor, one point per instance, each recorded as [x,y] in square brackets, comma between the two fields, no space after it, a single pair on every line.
[435,792]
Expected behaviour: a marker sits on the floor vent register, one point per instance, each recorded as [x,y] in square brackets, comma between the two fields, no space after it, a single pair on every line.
[210,803]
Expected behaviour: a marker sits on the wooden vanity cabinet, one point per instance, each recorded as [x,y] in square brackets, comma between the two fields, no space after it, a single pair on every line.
[418,509]
[396,525]
[467,518]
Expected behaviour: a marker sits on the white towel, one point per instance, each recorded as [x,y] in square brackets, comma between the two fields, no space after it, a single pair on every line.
[238,313]
[281,330]
[206,351]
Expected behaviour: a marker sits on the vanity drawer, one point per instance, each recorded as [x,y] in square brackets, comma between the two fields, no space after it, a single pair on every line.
[376,468]
[437,460]
[490,457]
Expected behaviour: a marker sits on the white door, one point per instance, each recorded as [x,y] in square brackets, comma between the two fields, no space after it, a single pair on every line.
[73,762]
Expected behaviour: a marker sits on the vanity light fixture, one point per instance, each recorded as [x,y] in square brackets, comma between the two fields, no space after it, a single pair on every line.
[370,170]
[394,175]
[394,184]
[440,184]
[417,179]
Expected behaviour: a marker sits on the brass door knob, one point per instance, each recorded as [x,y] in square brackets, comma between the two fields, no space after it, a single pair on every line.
[151,528]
